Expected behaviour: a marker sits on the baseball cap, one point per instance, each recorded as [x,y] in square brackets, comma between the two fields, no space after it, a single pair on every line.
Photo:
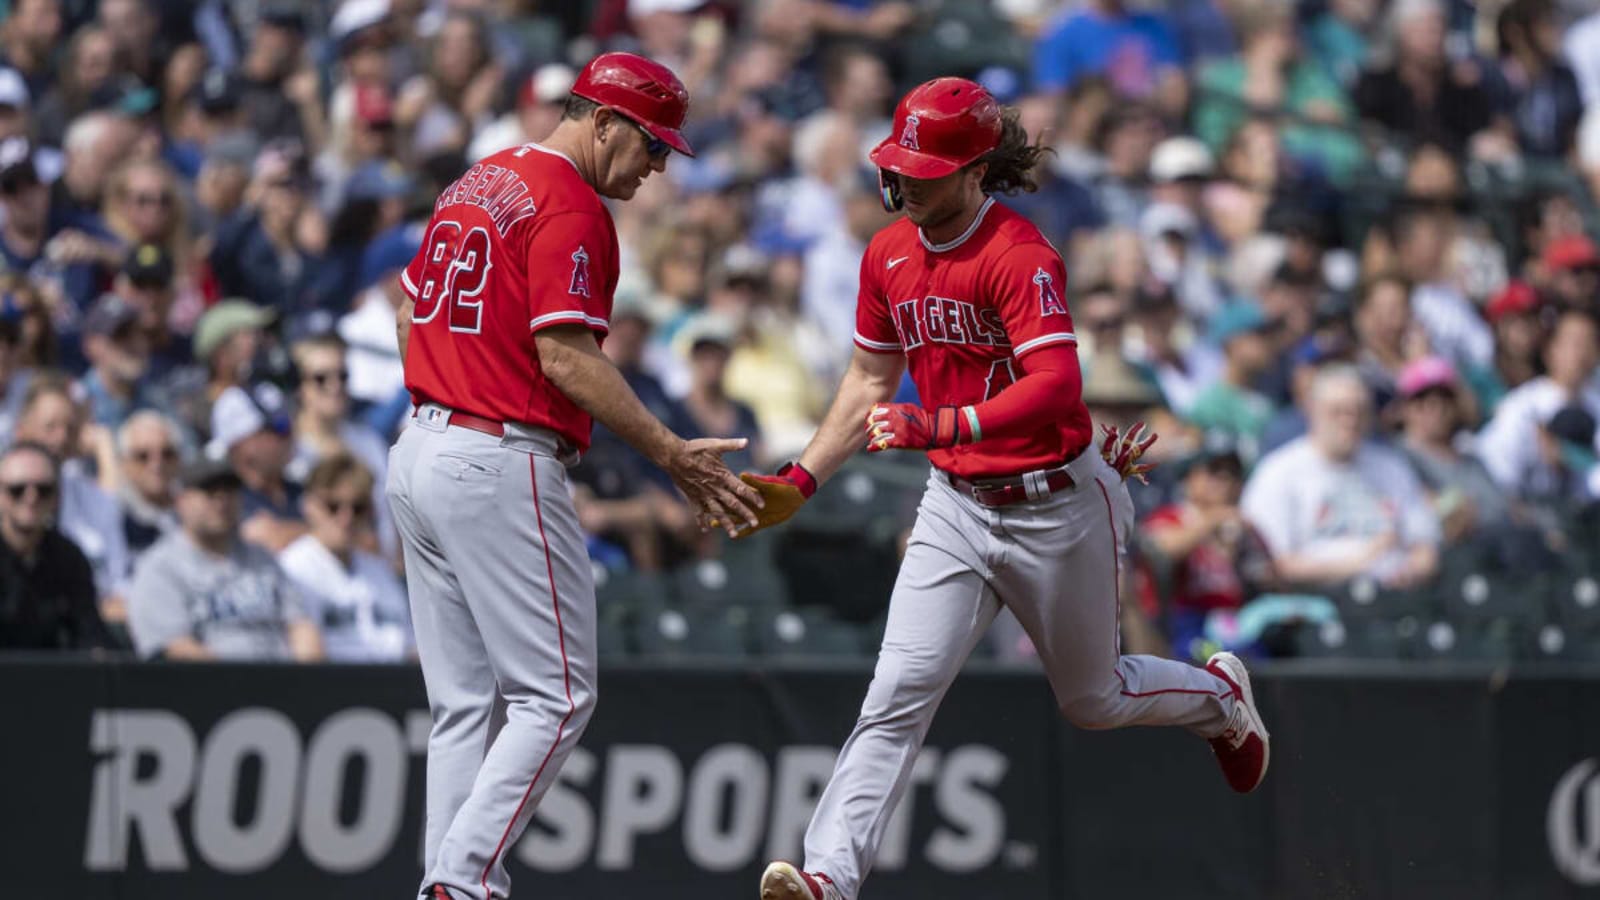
[16,164]
[1574,251]
[1574,427]
[354,17]
[13,89]
[389,252]
[218,92]
[710,329]
[550,83]
[1236,319]
[239,413]
[1425,374]
[148,265]
[283,14]
[203,472]
[646,7]
[1515,299]
[109,315]
[1179,159]
[224,320]
[379,181]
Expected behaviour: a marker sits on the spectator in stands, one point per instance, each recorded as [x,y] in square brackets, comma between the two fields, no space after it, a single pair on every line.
[270,252]
[540,100]
[47,594]
[322,422]
[1454,328]
[1183,365]
[51,418]
[65,264]
[95,144]
[89,66]
[227,341]
[146,282]
[1340,38]
[1271,76]
[353,596]
[1136,52]
[1123,145]
[1514,314]
[441,109]
[202,593]
[279,90]
[1534,91]
[1210,556]
[250,429]
[119,360]
[1333,506]
[1464,496]
[711,340]
[1387,337]
[1514,444]
[1185,253]
[28,41]
[147,465]
[1418,92]
[1231,410]
[1570,272]
[14,376]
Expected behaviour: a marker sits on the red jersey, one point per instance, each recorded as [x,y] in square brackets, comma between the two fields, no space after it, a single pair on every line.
[519,243]
[964,313]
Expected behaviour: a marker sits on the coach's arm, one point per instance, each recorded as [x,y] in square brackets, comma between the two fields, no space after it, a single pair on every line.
[871,378]
[571,360]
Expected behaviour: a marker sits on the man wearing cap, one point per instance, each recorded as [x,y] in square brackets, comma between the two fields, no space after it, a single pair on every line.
[1513,314]
[119,359]
[1231,407]
[506,305]
[1571,265]
[146,284]
[202,593]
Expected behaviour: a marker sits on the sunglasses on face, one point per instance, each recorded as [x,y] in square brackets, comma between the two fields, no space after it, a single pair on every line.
[329,377]
[150,200]
[44,490]
[11,187]
[654,147]
[145,456]
[357,508]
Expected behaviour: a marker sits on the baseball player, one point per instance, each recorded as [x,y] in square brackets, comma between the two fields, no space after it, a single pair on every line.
[1020,508]
[508,300]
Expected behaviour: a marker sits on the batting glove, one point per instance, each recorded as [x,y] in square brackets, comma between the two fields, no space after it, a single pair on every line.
[1121,452]
[789,473]
[906,426]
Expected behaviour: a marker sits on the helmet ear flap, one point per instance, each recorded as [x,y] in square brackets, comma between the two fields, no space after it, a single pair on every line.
[889,190]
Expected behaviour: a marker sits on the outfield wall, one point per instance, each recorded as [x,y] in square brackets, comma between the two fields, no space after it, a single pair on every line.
[174,781]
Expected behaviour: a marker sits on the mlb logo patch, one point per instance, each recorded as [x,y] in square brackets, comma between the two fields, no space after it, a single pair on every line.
[434,415]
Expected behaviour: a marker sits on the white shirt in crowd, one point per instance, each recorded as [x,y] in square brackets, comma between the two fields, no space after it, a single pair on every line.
[1509,444]
[1453,325]
[361,610]
[92,519]
[1304,504]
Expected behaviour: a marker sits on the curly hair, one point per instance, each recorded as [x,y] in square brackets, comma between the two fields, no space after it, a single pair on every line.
[1011,164]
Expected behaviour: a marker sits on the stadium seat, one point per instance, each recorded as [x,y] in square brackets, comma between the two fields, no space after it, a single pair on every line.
[1478,597]
[1365,599]
[809,632]
[743,576]
[669,633]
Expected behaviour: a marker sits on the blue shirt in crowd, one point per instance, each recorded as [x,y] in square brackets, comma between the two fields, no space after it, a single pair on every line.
[1128,50]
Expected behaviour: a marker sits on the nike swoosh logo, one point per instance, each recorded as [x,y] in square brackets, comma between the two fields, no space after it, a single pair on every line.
[897,261]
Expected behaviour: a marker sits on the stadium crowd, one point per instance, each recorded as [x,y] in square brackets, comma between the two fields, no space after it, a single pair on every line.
[1337,252]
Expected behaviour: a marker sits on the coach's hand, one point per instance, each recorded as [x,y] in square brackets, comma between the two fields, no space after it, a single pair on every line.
[718,497]
[907,426]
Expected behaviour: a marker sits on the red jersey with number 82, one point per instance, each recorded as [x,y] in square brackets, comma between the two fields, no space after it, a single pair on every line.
[965,314]
[518,243]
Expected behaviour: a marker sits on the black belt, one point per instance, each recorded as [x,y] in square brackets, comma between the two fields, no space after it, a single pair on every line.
[1013,489]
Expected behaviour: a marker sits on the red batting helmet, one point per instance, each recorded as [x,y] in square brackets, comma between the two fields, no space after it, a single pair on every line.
[939,127]
[643,90]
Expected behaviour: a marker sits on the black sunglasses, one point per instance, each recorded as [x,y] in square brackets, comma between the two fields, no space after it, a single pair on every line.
[330,376]
[655,147]
[357,508]
[44,490]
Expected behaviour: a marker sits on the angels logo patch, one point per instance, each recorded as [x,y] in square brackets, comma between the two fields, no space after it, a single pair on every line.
[908,136]
[580,273]
[1049,300]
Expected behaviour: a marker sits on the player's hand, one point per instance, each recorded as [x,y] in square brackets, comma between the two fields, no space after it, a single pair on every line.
[718,497]
[1122,451]
[907,426]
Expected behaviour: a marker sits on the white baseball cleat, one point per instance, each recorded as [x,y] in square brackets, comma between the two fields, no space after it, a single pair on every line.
[1243,748]
[782,881]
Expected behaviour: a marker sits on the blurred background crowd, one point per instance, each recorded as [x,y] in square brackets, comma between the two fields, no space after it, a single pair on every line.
[1337,252]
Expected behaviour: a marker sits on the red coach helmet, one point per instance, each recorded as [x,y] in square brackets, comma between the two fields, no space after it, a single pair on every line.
[939,127]
[641,89]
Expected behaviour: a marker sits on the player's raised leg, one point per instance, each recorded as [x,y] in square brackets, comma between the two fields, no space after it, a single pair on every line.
[455,666]
[533,599]
[940,608]
[1063,587]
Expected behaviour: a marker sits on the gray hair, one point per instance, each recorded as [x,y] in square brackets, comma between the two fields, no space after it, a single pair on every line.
[86,131]
[1330,377]
[147,417]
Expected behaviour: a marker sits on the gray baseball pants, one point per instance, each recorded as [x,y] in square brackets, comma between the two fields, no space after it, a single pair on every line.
[1055,564]
[503,604]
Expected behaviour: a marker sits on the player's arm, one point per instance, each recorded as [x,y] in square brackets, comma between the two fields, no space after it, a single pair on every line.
[871,379]
[571,359]
[1048,390]
[402,325]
